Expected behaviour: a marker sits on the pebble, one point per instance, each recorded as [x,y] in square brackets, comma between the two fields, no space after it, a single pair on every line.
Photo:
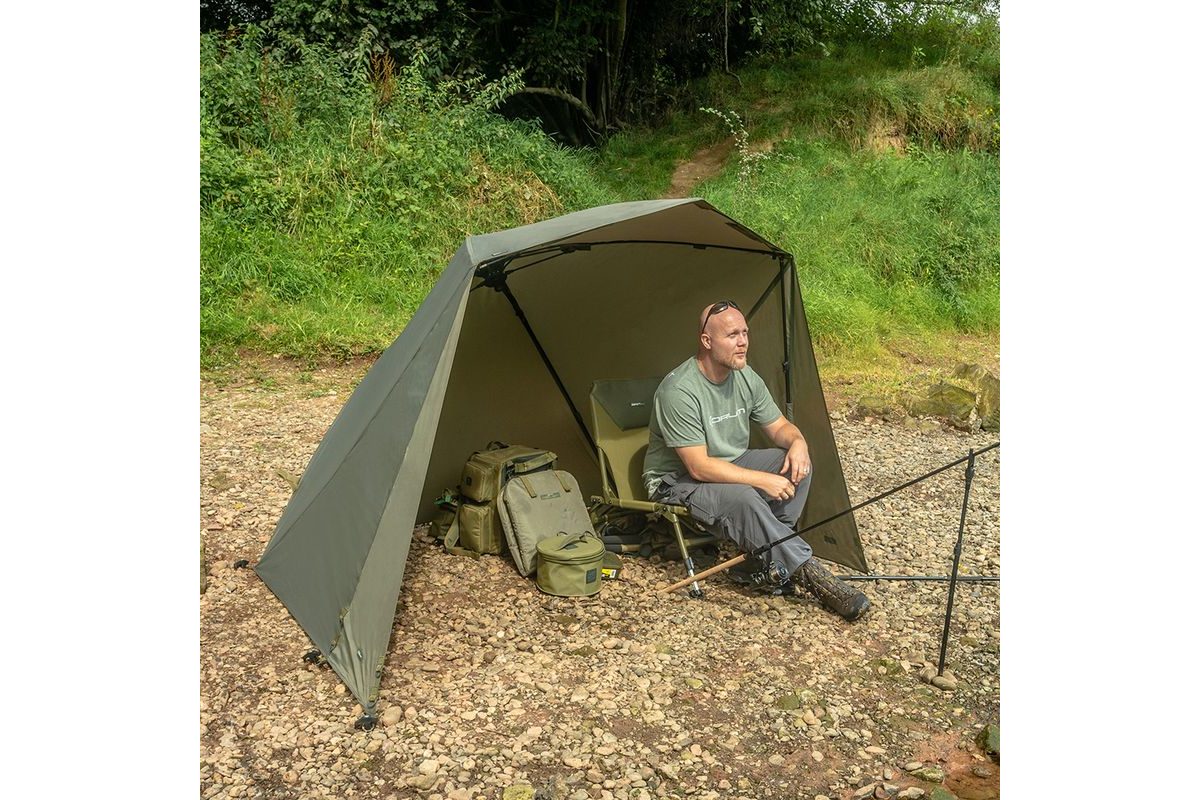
[423,781]
[931,774]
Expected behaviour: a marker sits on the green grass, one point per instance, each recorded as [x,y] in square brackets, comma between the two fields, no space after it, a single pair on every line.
[333,194]
[884,244]
[330,202]
[881,176]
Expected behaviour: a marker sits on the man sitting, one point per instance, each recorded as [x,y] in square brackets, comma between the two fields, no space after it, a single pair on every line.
[698,458]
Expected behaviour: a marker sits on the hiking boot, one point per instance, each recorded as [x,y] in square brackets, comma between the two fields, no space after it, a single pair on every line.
[834,593]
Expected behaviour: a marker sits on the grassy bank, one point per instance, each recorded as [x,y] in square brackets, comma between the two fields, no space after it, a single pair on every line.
[334,193]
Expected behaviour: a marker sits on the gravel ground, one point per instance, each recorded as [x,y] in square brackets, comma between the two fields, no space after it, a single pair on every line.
[493,690]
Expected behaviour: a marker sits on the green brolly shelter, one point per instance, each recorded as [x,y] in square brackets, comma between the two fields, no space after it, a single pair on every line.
[507,346]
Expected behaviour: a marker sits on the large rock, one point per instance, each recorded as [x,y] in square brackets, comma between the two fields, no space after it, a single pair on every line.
[987,393]
[988,403]
[873,407]
[989,740]
[971,373]
[953,403]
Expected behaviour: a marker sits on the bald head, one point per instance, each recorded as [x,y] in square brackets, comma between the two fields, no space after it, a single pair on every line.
[724,339]
[722,307]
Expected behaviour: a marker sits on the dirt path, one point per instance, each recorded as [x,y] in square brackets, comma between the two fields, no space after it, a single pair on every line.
[703,165]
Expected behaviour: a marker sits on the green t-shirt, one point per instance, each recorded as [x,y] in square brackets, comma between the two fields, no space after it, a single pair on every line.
[689,409]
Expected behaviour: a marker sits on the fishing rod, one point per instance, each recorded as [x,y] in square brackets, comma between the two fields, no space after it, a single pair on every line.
[931,578]
[733,562]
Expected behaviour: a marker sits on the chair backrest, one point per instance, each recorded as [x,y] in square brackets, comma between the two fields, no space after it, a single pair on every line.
[620,418]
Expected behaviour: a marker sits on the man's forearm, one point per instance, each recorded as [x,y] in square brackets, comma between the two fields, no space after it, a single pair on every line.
[787,436]
[716,470]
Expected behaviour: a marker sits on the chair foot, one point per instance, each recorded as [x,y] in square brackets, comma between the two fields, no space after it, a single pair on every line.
[695,592]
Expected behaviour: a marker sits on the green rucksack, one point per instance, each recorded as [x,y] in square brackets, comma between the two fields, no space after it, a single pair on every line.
[476,522]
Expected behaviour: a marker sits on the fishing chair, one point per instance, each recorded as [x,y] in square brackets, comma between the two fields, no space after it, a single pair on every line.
[620,420]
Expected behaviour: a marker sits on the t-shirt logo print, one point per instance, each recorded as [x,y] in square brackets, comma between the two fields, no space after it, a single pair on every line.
[730,415]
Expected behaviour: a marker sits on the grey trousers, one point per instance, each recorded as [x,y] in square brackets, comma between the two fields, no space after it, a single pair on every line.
[742,513]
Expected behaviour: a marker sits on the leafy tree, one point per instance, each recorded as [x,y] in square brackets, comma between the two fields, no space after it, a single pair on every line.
[588,66]
[218,15]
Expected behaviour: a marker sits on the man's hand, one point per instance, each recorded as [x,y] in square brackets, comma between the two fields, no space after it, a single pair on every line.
[775,486]
[796,465]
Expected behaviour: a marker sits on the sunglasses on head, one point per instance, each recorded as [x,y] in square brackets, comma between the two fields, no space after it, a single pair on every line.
[717,309]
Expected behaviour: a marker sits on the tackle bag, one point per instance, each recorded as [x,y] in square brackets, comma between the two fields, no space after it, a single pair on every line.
[537,505]
[476,523]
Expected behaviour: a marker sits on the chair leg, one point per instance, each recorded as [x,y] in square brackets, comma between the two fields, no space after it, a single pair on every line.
[694,591]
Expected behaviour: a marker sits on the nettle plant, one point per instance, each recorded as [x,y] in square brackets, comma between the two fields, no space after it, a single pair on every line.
[749,161]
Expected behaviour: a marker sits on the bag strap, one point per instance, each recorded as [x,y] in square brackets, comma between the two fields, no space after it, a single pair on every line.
[533,492]
[533,462]
[450,541]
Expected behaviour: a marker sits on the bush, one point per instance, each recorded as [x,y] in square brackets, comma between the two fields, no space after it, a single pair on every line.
[333,190]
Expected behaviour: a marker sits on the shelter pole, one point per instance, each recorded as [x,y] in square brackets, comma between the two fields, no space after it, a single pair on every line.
[762,298]
[503,287]
[785,266]
[962,522]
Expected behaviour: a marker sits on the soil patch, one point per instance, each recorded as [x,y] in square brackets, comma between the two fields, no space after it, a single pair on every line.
[705,164]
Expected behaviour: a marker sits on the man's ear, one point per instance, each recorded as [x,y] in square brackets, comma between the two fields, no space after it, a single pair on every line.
[706,341]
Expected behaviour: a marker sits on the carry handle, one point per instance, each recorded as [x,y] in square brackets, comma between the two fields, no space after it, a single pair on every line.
[532,462]
[572,540]
[529,484]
